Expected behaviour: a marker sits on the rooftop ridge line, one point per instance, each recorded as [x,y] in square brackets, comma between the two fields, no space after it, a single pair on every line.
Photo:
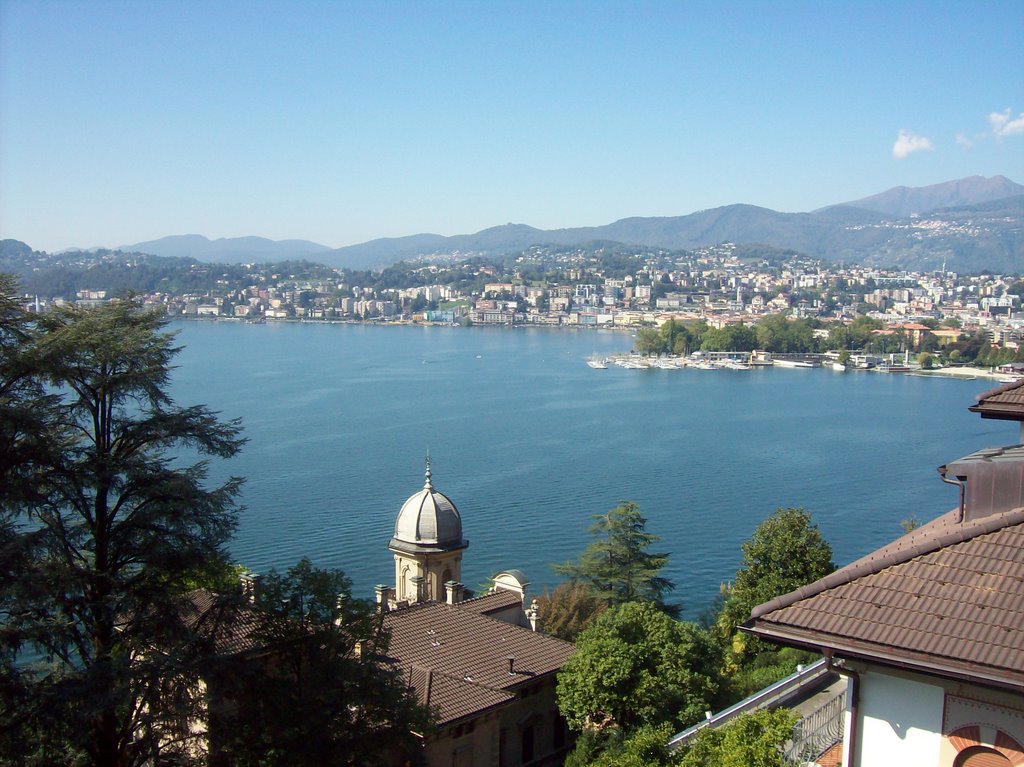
[959,534]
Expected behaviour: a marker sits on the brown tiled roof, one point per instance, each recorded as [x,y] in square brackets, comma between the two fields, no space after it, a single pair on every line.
[466,654]
[220,620]
[499,600]
[454,698]
[945,599]
[1004,402]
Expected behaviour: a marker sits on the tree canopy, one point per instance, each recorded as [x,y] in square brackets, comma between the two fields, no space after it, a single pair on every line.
[616,565]
[569,609]
[785,552]
[316,689]
[637,666]
[751,740]
[102,531]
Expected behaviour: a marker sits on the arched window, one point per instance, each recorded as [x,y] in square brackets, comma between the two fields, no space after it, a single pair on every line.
[981,756]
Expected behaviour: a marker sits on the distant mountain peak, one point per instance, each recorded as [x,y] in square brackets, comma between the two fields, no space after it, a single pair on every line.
[904,201]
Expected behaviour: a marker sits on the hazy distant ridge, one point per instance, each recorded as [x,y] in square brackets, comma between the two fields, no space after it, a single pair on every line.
[228,249]
[870,230]
[856,231]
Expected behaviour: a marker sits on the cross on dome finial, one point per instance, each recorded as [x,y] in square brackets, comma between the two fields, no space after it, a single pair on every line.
[426,483]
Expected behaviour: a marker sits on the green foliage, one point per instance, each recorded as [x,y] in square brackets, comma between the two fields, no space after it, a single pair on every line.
[649,341]
[590,744]
[731,338]
[644,747]
[776,333]
[102,531]
[672,337]
[308,697]
[785,552]
[636,666]
[751,740]
[764,669]
[568,610]
[616,565]
[925,360]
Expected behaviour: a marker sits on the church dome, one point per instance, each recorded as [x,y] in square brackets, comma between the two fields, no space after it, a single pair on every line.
[428,521]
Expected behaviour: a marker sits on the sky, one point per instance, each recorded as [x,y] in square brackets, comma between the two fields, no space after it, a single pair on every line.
[341,122]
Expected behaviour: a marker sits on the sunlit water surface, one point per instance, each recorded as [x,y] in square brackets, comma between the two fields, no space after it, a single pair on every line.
[529,442]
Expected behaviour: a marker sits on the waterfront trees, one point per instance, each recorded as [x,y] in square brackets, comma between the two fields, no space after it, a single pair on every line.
[637,666]
[673,337]
[102,531]
[616,565]
[569,609]
[776,333]
[786,551]
[649,341]
[731,338]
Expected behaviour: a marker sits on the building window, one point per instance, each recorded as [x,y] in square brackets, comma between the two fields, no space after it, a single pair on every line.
[528,743]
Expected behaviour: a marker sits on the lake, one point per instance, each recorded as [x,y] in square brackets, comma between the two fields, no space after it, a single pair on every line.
[529,442]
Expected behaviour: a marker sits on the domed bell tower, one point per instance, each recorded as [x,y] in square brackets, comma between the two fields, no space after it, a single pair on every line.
[427,545]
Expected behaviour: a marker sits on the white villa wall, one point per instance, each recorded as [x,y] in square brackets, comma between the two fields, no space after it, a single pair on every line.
[900,722]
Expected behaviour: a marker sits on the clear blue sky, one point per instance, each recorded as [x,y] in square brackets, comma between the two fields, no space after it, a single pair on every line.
[341,122]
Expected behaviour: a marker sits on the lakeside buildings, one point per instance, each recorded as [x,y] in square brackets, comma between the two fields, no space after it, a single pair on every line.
[577,289]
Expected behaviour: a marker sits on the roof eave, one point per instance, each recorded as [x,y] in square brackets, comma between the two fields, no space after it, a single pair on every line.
[906,660]
[997,414]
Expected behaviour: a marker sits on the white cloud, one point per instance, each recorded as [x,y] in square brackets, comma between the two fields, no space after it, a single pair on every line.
[907,143]
[1003,125]
[964,140]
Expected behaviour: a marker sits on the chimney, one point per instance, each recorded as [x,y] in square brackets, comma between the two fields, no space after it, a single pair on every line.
[381,592]
[511,665]
[992,481]
[453,592]
[417,582]
[250,582]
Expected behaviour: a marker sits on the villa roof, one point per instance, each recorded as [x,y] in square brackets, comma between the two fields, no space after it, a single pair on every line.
[946,599]
[495,601]
[1004,402]
[457,657]
[230,629]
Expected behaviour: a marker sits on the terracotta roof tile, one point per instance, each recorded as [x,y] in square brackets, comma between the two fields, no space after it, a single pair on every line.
[501,599]
[467,653]
[947,598]
[1004,402]
[218,619]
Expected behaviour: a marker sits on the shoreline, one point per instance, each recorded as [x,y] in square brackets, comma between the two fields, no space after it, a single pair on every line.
[963,373]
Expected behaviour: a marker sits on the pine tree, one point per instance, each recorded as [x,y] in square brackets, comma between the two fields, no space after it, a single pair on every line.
[616,564]
[103,531]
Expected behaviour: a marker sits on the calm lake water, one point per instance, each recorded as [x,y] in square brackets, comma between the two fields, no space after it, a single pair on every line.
[529,442]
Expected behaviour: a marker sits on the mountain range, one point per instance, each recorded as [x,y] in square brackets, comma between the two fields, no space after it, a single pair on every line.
[969,224]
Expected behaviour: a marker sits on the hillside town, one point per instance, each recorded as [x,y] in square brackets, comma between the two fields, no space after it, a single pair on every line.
[721,286]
